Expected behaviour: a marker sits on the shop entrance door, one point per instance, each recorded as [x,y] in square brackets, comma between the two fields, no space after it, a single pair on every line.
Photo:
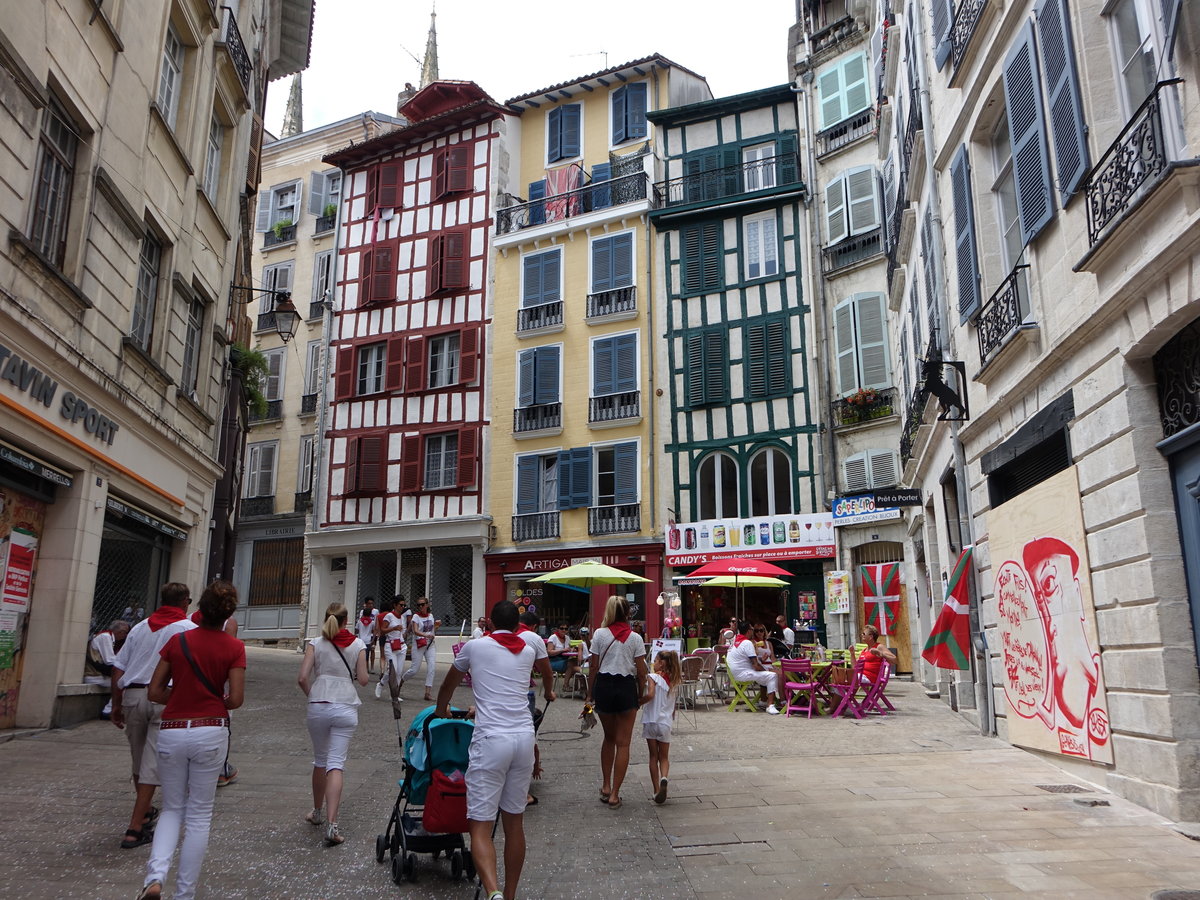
[133,565]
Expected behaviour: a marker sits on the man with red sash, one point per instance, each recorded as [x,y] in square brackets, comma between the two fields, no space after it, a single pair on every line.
[744,665]
[501,755]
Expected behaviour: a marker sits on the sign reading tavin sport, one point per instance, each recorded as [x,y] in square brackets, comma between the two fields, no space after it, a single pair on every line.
[29,379]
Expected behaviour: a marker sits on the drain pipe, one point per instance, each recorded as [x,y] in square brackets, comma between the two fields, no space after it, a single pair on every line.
[651,405]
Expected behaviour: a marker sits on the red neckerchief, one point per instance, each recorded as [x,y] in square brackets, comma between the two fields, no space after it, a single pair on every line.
[366,619]
[739,638]
[561,635]
[521,627]
[343,639]
[197,618]
[620,631]
[165,615]
[511,642]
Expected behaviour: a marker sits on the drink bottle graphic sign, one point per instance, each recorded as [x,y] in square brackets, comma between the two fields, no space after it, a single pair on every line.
[761,537]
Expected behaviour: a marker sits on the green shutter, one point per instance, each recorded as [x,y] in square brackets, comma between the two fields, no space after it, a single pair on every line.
[754,359]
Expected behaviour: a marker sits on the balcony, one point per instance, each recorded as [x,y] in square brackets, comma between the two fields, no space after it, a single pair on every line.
[303,501]
[845,133]
[266,322]
[619,301]
[539,526]
[768,174]
[1003,313]
[274,411]
[865,406]
[542,417]
[914,418]
[232,39]
[592,197]
[258,506]
[324,223]
[620,519]
[966,19]
[308,404]
[544,315]
[615,407]
[852,251]
[316,309]
[279,235]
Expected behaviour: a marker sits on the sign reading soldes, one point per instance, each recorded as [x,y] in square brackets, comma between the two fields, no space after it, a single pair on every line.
[763,537]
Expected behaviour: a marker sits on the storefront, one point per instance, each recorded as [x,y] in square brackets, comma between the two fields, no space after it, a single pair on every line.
[269,577]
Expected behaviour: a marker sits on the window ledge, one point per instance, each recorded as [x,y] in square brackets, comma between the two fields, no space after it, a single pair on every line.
[267,249]
[1025,335]
[99,15]
[65,288]
[615,423]
[207,202]
[610,317]
[538,332]
[156,113]
[191,407]
[867,424]
[129,345]
[541,432]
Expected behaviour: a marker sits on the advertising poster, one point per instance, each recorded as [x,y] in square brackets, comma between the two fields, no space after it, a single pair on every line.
[837,593]
[806,606]
[766,537]
[1052,679]
[21,520]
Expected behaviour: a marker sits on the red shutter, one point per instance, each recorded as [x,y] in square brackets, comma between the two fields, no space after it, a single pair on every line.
[434,279]
[389,185]
[458,174]
[414,365]
[468,355]
[372,190]
[383,271]
[410,464]
[395,364]
[440,163]
[343,378]
[370,464]
[454,260]
[351,482]
[365,280]
[468,455]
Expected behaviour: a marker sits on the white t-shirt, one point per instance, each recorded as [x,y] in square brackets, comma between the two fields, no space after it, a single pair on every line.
[621,659]
[391,620]
[367,631]
[138,656]
[661,708]
[332,680]
[554,642]
[421,626]
[500,682]
[789,636]
[103,644]
[739,657]
[477,633]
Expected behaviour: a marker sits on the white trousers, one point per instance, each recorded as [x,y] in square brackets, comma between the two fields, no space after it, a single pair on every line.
[189,761]
[392,669]
[427,653]
[331,725]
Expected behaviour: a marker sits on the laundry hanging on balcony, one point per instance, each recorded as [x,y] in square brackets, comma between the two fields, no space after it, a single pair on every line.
[562,181]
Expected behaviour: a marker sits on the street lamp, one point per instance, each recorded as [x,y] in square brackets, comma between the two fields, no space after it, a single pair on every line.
[287,319]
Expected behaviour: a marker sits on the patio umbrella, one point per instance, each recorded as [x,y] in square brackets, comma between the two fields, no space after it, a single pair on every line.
[736,565]
[740,582]
[590,574]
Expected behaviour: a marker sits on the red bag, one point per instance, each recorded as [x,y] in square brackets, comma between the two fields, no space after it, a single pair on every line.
[446,804]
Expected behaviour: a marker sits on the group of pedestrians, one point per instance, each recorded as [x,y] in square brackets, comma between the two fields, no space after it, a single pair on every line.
[399,632]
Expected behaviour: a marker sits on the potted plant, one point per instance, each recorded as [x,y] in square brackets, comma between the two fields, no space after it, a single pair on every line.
[867,403]
[329,211]
[279,226]
[254,369]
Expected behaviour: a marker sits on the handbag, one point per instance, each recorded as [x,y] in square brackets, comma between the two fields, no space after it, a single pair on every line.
[396,643]
[422,643]
[445,804]
[840,675]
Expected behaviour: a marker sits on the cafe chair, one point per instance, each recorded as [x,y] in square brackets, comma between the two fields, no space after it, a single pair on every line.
[686,697]
[710,682]
[740,695]
[798,684]
[874,701]
[846,694]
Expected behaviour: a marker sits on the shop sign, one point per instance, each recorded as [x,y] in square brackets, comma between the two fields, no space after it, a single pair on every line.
[898,497]
[29,379]
[553,565]
[861,510]
[763,537]
[29,464]
[137,515]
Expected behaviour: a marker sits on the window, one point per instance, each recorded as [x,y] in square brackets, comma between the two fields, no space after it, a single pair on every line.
[758,167]
[383,187]
[1004,189]
[701,257]
[371,360]
[761,252]
[616,474]
[563,132]
[860,338]
[322,290]
[1134,24]
[716,496]
[441,461]
[712,173]
[324,193]
[767,364]
[851,204]
[538,376]
[869,470]
[452,170]
[377,273]
[260,470]
[52,190]
[192,338]
[312,368]
[537,484]
[278,206]
[612,262]
[273,387]
[366,464]
[706,367]
[629,112]
[170,80]
[443,361]
[614,364]
[843,90]
[146,297]
[541,278]
[966,253]
[304,477]
[1027,130]
[212,159]
[447,262]
[770,483]
[277,278]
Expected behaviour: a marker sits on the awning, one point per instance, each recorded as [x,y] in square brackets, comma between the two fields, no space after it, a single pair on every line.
[138,514]
[22,460]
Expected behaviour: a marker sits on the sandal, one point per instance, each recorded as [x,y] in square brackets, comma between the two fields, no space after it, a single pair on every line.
[151,816]
[136,838]
[614,803]
[315,817]
[333,835]
[152,891]
[603,797]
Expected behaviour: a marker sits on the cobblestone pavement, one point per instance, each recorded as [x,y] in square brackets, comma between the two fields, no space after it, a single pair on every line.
[916,804]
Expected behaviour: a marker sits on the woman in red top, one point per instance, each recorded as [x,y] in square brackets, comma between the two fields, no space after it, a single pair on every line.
[194,736]
[875,653]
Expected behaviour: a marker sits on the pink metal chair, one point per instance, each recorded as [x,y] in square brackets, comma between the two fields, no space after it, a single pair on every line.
[455,650]
[798,681]
[874,701]
[846,694]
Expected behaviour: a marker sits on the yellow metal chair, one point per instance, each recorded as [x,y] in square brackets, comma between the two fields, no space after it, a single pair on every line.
[741,696]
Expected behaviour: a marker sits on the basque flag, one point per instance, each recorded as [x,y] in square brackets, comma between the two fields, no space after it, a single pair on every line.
[879,584]
[949,641]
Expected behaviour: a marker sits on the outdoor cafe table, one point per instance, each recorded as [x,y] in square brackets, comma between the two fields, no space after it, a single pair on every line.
[822,673]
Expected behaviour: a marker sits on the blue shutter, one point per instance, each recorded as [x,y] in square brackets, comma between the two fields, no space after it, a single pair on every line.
[581,476]
[601,196]
[554,134]
[570,131]
[635,110]
[603,378]
[618,115]
[528,484]
[537,212]
[965,252]
[602,269]
[526,372]
[1027,130]
[564,479]
[534,287]
[545,375]
[1062,89]
[622,260]
[625,463]
[943,19]
[551,276]
[625,363]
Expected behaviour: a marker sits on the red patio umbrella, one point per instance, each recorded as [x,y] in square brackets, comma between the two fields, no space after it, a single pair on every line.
[736,565]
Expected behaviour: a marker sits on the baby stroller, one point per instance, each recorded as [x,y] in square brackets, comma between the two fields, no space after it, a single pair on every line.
[431,745]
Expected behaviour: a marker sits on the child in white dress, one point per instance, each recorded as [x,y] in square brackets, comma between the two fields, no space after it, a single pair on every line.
[658,714]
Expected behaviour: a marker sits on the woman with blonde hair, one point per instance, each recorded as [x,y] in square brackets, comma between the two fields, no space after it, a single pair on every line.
[616,681]
[332,664]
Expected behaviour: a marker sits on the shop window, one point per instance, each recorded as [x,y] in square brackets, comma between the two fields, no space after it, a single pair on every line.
[717,488]
[770,483]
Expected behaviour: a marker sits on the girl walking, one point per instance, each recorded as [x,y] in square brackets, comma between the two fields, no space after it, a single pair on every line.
[391,635]
[332,664]
[658,715]
[422,626]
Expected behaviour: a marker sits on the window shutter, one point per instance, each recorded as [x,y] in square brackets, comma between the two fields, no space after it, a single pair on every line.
[854,474]
[350,481]
[458,174]
[389,185]
[343,378]
[570,131]
[526,372]
[889,197]
[532,288]
[636,103]
[468,456]
[603,361]
[545,375]
[856,88]
[1031,163]
[395,364]
[618,114]
[564,479]
[529,468]
[366,279]
[581,476]
[551,276]
[454,260]
[370,463]
[433,277]
[262,214]
[731,169]
[754,359]
[943,19]
[602,267]
[863,200]
[872,340]
[410,464]
[601,196]
[787,163]
[846,346]
[441,163]
[689,241]
[829,91]
[622,260]
[884,468]
[716,367]
[625,465]
[625,363]
[965,253]
[383,272]
[694,365]
[710,250]
[468,355]
[553,135]
[414,364]
[700,184]
[316,193]
[835,210]
[927,251]
[779,364]
[274,386]
[537,212]
[1062,89]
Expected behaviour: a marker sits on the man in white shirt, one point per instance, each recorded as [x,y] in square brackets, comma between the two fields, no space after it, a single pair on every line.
[744,665]
[502,744]
[783,633]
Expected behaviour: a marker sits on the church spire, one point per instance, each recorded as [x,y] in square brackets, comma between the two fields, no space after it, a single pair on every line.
[293,116]
[429,70]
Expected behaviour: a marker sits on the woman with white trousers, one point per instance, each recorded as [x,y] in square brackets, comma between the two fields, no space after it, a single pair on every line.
[423,627]
[332,664]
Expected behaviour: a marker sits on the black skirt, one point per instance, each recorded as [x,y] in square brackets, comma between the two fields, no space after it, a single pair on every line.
[615,693]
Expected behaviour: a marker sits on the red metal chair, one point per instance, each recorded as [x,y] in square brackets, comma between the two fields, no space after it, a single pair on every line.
[846,694]
[798,681]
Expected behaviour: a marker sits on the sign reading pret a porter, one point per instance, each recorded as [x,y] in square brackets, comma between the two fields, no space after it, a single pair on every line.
[29,379]
[860,510]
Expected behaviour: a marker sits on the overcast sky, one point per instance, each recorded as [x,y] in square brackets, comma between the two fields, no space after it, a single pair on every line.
[361,48]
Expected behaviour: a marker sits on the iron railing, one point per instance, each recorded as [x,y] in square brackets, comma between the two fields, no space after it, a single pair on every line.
[846,132]
[258,506]
[619,519]
[324,223]
[589,198]
[266,322]
[852,250]
[537,418]
[535,526]
[308,404]
[1136,159]
[729,181]
[231,37]
[303,501]
[284,235]
[1003,313]
[316,309]
[914,417]
[609,303]
[274,411]
[886,403]
[613,407]
[912,125]
[966,19]
[898,207]
[543,315]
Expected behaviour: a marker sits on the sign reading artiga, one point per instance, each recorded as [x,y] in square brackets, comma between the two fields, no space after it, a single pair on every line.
[762,537]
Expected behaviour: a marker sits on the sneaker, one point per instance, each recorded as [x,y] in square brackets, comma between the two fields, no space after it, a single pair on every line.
[660,796]
[496,895]
[315,817]
[227,777]
[772,711]
[379,690]
[333,835]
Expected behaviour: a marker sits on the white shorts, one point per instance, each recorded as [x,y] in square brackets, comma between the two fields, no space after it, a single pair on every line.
[498,774]
[657,731]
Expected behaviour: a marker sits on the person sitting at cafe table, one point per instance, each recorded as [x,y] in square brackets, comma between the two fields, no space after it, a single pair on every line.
[562,658]
[766,653]
[875,654]
[781,632]
[744,665]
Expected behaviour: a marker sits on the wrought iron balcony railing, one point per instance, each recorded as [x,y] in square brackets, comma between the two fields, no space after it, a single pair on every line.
[266,322]
[914,417]
[846,132]
[544,315]
[619,519]
[303,501]
[720,184]
[284,235]
[535,526]
[852,250]
[898,207]
[912,124]
[1130,167]
[274,411]
[614,407]
[324,223]
[560,207]
[609,303]
[537,418]
[231,37]
[966,18]
[258,506]
[316,309]
[1003,313]
[308,404]
[857,410]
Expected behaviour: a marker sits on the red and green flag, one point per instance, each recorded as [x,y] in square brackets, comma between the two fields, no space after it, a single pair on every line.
[879,584]
[949,642]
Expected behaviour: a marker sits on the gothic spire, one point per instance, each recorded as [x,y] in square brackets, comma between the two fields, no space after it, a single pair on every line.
[429,70]
[293,116]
